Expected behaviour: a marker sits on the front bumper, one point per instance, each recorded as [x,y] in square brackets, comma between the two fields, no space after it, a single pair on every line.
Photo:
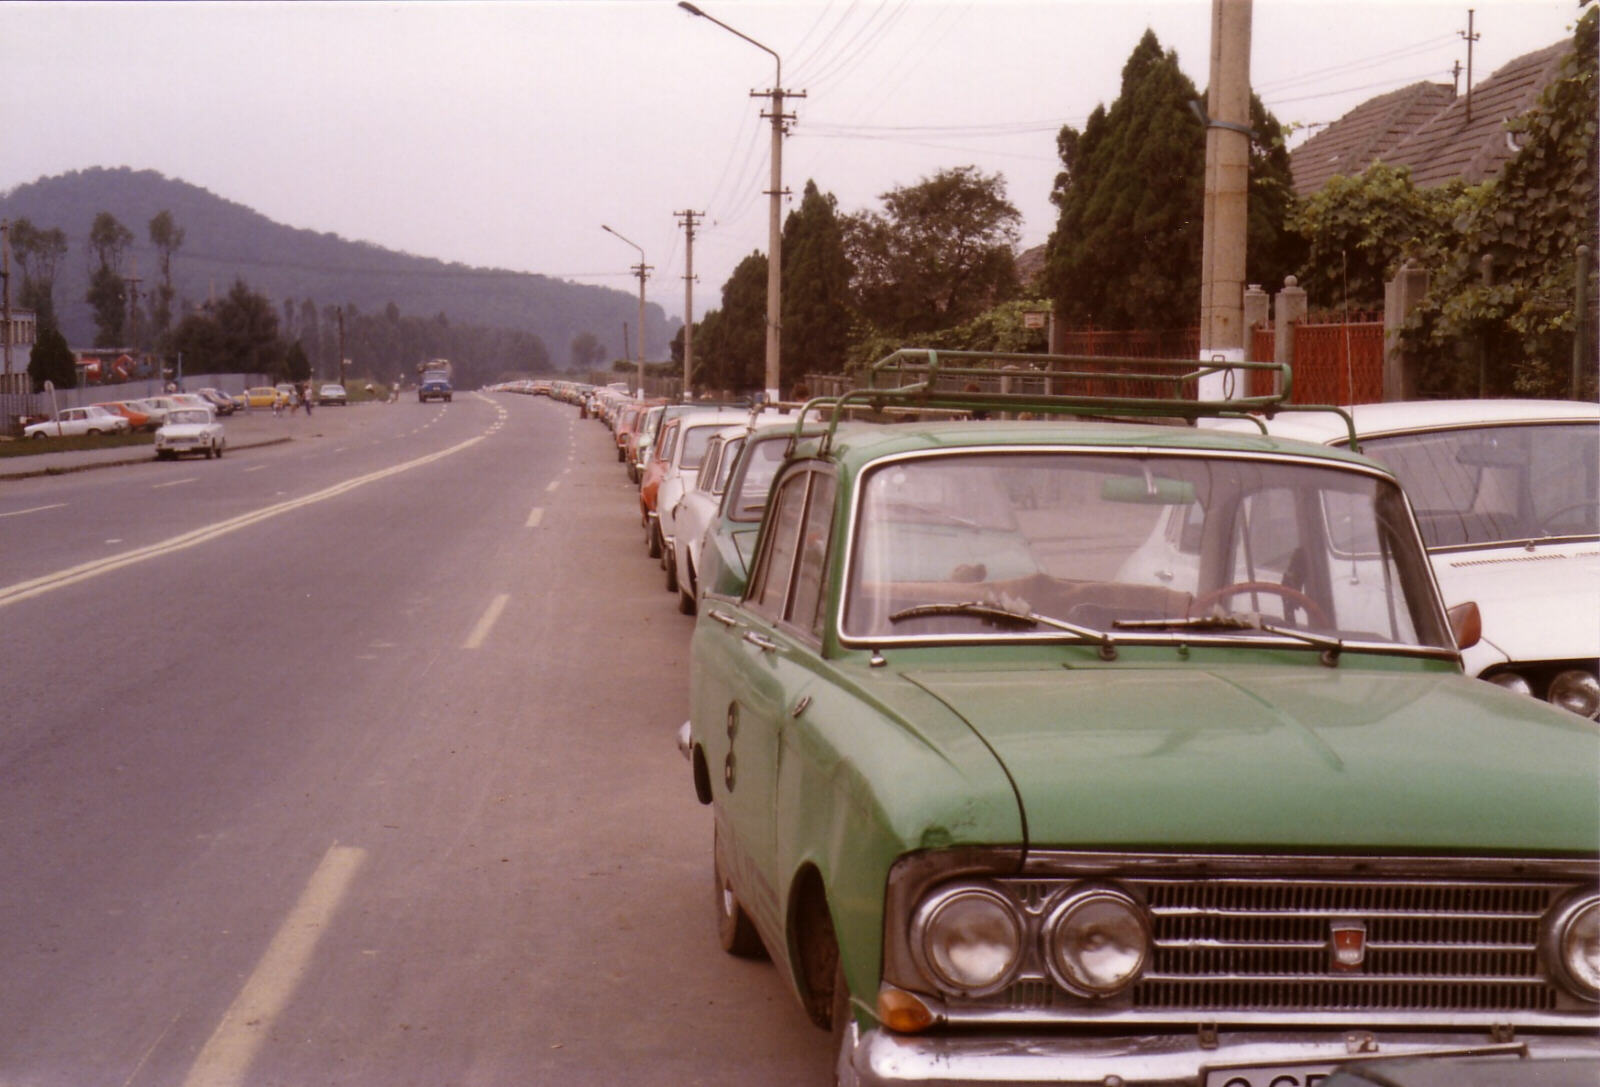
[1230,1059]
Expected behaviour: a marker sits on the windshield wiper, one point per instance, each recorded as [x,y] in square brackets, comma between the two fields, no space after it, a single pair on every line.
[1331,647]
[997,614]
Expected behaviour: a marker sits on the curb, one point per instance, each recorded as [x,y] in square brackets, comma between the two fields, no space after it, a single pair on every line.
[68,469]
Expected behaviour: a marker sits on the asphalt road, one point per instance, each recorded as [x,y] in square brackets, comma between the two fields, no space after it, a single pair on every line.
[350,760]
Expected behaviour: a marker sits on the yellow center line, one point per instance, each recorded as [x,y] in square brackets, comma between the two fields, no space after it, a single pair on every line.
[249,1020]
[25,590]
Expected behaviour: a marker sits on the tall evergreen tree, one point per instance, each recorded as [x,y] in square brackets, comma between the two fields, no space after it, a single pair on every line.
[167,236]
[730,343]
[38,253]
[816,287]
[52,360]
[1126,250]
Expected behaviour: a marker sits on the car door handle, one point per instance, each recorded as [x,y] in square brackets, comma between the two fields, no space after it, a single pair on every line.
[761,641]
[722,617]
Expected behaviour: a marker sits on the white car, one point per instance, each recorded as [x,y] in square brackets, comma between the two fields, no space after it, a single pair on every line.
[189,430]
[75,422]
[694,434]
[1507,495]
[698,509]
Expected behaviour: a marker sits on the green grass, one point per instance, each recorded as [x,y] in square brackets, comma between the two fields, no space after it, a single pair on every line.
[27,447]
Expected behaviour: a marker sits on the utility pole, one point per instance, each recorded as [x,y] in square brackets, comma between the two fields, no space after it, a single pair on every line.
[642,270]
[1468,36]
[775,232]
[1222,269]
[341,345]
[688,218]
[5,295]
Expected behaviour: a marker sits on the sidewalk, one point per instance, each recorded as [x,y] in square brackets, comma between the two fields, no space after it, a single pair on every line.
[243,430]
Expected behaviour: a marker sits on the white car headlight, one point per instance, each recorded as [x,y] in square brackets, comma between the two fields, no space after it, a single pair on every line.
[1097,941]
[968,939]
[1572,943]
[1512,682]
[1578,691]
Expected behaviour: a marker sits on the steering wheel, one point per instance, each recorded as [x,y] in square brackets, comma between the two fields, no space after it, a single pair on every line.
[1314,613]
[1554,517]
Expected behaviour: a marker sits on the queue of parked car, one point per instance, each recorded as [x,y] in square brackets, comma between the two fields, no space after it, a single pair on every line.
[1091,739]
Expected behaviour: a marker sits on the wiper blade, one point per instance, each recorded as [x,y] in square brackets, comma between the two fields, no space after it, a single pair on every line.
[994,612]
[1331,647]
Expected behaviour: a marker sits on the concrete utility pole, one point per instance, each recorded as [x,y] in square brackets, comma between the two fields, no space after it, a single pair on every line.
[688,218]
[1222,262]
[776,192]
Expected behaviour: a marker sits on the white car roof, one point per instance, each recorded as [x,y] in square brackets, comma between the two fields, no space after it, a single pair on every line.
[1327,428]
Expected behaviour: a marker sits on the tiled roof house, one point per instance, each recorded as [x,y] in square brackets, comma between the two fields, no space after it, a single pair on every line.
[1425,127]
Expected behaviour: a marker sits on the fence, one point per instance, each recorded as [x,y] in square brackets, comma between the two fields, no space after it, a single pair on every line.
[1336,362]
[15,406]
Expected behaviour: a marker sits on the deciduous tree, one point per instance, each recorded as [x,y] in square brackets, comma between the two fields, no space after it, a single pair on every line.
[167,236]
[107,296]
[939,254]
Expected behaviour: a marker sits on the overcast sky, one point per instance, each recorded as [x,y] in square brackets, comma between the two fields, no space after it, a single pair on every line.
[504,134]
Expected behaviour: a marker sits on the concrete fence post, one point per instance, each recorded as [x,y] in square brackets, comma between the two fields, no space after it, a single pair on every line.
[1288,309]
[1256,313]
[1401,295]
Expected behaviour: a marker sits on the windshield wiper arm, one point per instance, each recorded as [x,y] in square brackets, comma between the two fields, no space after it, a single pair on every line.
[1331,647]
[985,610]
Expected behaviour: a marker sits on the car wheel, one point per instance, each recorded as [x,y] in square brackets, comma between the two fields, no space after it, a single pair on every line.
[92,433]
[37,435]
[685,600]
[220,447]
[672,572]
[735,931]
[653,541]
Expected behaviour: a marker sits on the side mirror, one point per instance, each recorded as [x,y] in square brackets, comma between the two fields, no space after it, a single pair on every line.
[1466,624]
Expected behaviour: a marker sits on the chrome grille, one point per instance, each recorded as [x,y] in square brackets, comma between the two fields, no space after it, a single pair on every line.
[1265,944]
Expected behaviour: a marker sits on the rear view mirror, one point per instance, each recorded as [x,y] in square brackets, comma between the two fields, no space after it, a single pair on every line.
[1147,491]
[1466,624]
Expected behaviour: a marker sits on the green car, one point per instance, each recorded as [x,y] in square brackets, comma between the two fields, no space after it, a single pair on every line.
[1008,797]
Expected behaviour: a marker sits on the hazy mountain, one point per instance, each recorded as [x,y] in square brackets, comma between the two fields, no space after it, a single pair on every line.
[224,241]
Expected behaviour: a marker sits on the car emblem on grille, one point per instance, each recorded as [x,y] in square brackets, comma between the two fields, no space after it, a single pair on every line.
[1348,942]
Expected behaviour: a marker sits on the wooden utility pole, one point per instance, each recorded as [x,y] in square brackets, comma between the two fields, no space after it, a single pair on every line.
[1222,270]
[5,295]
[688,218]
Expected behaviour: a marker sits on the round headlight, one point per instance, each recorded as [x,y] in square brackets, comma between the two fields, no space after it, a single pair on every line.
[1098,941]
[1575,941]
[1511,682]
[1578,691]
[969,940]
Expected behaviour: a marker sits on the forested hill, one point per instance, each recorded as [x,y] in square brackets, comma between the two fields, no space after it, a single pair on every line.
[224,241]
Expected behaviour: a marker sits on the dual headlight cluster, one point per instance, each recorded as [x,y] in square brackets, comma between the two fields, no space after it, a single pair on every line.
[971,940]
[1574,689]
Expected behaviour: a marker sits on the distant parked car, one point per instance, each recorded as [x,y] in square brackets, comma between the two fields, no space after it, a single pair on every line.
[138,418]
[189,430]
[1507,495]
[220,402]
[75,422]
[333,393]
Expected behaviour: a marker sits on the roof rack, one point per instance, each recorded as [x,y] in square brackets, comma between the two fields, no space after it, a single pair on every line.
[1079,385]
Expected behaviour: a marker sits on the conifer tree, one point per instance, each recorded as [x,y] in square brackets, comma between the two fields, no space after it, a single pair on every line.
[816,288]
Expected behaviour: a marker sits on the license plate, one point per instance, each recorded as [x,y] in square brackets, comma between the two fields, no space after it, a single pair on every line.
[1311,1073]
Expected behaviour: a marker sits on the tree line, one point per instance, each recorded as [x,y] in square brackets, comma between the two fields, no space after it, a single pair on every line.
[935,266]
[242,330]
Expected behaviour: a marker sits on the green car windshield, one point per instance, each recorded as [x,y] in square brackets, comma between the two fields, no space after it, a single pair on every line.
[954,545]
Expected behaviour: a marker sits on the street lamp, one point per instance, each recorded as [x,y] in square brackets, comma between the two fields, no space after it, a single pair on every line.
[774,227]
[640,269]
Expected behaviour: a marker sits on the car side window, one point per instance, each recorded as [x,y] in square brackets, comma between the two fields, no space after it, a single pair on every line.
[769,589]
[808,596]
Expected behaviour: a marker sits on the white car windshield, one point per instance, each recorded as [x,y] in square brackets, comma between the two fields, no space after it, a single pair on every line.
[1479,486]
[1118,542]
[188,416]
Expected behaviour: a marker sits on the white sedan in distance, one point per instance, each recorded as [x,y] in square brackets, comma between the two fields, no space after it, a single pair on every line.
[75,422]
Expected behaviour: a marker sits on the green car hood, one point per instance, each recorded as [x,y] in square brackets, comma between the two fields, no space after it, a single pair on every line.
[1248,757]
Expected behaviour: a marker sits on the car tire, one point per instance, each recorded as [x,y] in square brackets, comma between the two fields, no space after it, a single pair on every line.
[685,600]
[671,562]
[210,452]
[653,541]
[37,435]
[220,447]
[735,931]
